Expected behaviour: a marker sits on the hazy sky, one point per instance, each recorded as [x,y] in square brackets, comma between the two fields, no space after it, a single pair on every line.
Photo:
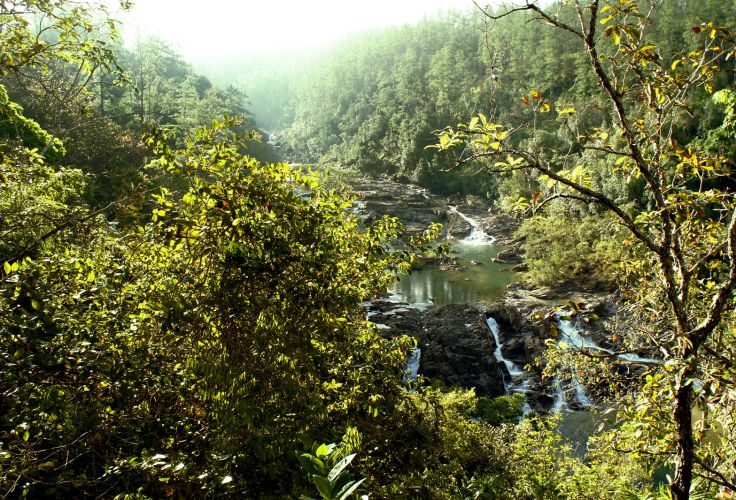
[200,28]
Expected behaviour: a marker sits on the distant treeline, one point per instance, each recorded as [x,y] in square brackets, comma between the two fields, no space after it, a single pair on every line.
[374,102]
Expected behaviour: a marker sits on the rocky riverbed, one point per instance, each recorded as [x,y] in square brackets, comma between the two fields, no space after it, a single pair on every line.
[494,346]
[417,208]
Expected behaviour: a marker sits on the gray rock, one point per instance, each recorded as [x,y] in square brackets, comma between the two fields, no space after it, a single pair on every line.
[508,256]
[456,354]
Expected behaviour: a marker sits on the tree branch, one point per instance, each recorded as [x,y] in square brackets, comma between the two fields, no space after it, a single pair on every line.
[555,196]
[719,478]
[599,198]
[715,312]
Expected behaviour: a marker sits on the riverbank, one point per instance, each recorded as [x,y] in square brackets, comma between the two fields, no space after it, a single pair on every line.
[477,324]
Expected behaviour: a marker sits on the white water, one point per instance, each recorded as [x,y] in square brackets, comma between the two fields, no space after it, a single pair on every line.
[560,403]
[577,341]
[580,395]
[518,382]
[571,336]
[412,364]
[493,326]
[477,236]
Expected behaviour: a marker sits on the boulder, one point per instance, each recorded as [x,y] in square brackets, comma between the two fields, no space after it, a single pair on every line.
[456,345]
[508,256]
[457,227]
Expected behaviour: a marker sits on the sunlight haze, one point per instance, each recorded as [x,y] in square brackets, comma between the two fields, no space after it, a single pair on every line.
[224,27]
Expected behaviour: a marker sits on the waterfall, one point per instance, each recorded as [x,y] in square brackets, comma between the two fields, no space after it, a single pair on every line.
[580,395]
[515,373]
[510,366]
[412,364]
[477,236]
[572,336]
[578,341]
[560,403]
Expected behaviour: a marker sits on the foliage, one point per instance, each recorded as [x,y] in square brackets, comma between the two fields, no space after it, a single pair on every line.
[373,101]
[37,34]
[427,447]
[681,271]
[97,97]
[500,410]
[220,334]
[560,249]
[539,463]
[38,203]
[15,126]
[187,346]
[329,473]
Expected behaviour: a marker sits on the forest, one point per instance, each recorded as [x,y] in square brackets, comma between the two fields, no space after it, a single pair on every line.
[196,285]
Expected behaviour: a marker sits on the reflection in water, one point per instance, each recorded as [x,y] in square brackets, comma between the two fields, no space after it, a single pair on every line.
[477,280]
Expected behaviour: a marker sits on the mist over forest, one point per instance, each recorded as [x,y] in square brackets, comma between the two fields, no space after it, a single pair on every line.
[321,249]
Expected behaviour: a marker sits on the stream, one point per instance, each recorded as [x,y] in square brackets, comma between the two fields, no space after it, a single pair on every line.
[474,278]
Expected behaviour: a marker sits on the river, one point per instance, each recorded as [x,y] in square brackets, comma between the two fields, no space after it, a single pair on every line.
[474,279]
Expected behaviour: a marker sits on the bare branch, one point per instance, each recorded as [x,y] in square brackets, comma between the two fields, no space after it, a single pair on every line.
[557,196]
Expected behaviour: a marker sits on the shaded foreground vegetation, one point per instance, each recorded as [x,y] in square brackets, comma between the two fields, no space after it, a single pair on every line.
[182,317]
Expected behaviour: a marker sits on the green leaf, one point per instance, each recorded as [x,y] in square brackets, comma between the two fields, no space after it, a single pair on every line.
[616,36]
[348,489]
[323,486]
[6,267]
[322,451]
[305,459]
[339,467]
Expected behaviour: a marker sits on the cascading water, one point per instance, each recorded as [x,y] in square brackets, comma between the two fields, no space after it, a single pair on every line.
[477,236]
[412,364]
[560,403]
[570,335]
[580,395]
[518,381]
[577,341]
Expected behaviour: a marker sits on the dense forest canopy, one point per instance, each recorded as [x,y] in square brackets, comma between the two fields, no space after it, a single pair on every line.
[182,314]
[374,103]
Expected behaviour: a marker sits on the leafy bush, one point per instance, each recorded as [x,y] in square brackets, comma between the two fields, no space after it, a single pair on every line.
[558,249]
[500,410]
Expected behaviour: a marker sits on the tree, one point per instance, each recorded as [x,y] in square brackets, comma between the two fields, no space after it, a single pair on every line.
[682,243]
[57,45]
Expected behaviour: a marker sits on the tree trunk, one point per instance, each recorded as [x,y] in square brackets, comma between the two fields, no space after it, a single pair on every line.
[683,417]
